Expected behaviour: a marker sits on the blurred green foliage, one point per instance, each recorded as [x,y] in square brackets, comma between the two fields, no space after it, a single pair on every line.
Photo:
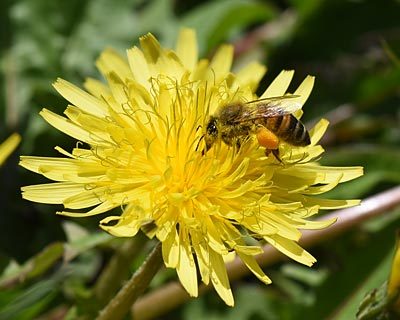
[353,49]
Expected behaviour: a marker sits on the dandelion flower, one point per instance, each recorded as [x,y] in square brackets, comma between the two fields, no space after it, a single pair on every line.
[142,131]
[8,146]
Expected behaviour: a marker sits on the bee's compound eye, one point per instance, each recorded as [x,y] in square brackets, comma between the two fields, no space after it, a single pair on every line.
[212,127]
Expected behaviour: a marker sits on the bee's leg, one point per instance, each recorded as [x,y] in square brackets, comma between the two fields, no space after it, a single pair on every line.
[198,143]
[238,144]
[275,152]
[205,149]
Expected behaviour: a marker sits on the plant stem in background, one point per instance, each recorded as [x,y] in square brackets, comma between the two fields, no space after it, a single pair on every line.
[117,269]
[120,305]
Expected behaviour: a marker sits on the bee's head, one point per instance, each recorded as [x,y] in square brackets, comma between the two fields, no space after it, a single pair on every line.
[211,134]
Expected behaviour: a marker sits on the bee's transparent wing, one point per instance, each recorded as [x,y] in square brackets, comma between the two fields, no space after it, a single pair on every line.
[277,98]
[279,106]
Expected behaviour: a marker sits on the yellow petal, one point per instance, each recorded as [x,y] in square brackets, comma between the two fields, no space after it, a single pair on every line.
[160,61]
[252,264]
[8,146]
[139,67]
[318,131]
[53,193]
[279,86]
[186,268]
[304,90]
[80,98]
[313,225]
[186,48]
[171,250]
[219,278]
[330,203]
[291,249]
[105,206]
[248,250]
[123,228]
[202,254]
[311,173]
[284,228]
[66,126]
[319,189]
[214,237]
[94,125]
[118,91]
[88,198]
[64,169]
[251,75]
[221,63]
[111,61]
[96,88]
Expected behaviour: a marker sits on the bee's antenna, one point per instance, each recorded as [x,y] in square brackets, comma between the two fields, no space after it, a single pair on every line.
[198,127]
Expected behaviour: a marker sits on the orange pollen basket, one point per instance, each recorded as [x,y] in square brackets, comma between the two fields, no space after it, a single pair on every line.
[267,138]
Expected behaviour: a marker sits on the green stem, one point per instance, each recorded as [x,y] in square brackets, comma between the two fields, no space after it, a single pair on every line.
[120,305]
[117,269]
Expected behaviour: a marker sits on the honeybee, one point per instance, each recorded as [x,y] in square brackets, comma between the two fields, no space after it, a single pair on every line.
[271,120]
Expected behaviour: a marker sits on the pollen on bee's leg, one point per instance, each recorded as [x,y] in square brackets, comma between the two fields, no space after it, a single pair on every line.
[267,138]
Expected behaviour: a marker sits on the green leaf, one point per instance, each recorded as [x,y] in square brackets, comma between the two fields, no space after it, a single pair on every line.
[216,21]
[35,266]
[29,302]
[374,280]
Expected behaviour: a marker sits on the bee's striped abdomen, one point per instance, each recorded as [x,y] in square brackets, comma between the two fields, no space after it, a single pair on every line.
[289,129]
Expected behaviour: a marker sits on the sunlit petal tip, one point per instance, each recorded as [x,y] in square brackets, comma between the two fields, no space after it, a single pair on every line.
[251,75]
[317,224]
[187,49]
[151,47]
[148,37]
[222,62]
[304,89]
[317,132]
[279,85]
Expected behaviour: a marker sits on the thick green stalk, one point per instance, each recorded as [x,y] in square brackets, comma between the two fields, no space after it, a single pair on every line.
[120,305]
[117,269]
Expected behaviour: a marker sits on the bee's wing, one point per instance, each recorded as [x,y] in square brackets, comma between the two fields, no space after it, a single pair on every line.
[266,109]
[277,98]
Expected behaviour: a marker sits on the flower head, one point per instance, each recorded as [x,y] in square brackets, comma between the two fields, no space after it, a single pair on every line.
[144,130]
